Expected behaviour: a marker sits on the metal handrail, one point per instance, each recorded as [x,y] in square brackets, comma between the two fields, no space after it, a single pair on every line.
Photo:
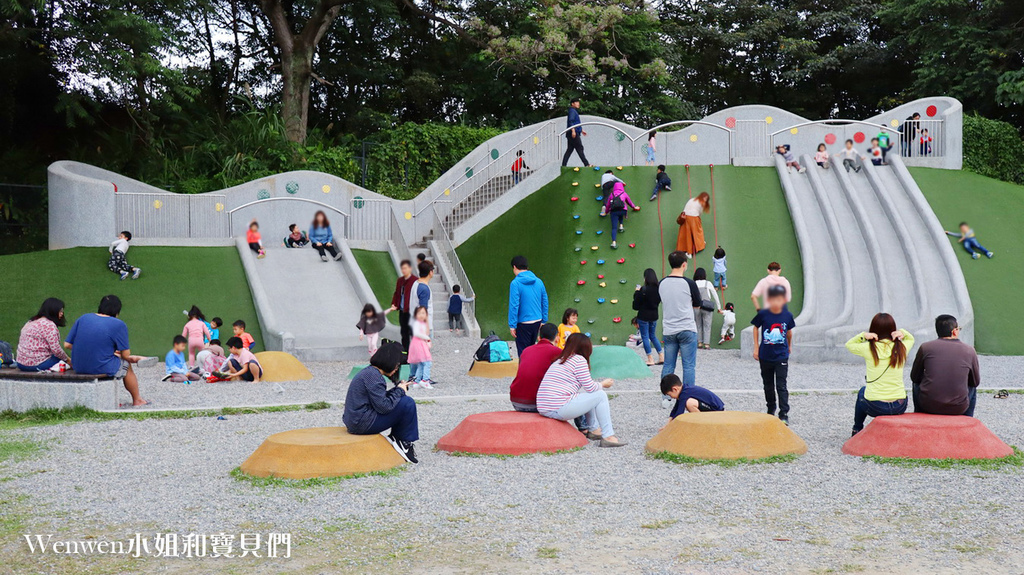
[830,122]
[441,236]
[231,212]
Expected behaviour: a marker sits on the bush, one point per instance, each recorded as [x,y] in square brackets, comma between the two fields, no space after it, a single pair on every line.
[993,148]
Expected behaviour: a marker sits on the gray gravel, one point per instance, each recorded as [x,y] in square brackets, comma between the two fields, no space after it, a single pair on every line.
[604,510]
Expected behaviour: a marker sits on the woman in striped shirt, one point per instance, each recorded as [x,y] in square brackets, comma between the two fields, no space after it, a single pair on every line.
[568,391]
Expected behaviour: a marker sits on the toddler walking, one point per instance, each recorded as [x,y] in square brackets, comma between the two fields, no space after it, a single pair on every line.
[455,321]
[420,359]
[118,262]
[370,324]
[196,334]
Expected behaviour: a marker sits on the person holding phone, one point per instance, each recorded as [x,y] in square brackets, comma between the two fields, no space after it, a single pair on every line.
[646,301]
[370,407]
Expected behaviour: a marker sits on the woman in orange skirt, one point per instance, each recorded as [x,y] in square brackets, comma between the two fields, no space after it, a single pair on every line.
[691,230]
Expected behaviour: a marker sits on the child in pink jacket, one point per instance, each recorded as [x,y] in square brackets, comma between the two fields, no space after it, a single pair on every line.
[197,334]
[616,205]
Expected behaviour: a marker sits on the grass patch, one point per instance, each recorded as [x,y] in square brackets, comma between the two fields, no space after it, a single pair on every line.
[547,552]
[425,402]
[1015,460]
[18,449]
[317,405]
[693,461]
[661,524]
[380,274]
[312,483]
[52,416]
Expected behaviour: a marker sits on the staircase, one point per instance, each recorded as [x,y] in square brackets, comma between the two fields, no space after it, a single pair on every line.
[438,289]
[491,190]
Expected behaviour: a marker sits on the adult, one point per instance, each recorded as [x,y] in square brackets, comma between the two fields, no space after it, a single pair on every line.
[533,364]
[322,238]
[574,136]
[527,304]
[568,391]
[400,301]
[421,289]
[774,278]
[617,206]
[691,230]
[99,345]
[709,304]
[680,299]
[884,349]
[370,407]
[946,374]
[646,301]
[908,134]
[39,344]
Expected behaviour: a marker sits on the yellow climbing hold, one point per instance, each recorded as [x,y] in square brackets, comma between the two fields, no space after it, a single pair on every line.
[618,167]
[604,338]
[158,204]
[575,169]
[326,189]
[602,284]
[614,301]
[408,215]
[219,207]
[593,248]
[575,183]
[693,137]
[597,185]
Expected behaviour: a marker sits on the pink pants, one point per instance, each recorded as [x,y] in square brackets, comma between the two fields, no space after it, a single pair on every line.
[194,347]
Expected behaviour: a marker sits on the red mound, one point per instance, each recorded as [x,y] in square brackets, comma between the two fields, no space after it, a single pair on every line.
[511,433]
[924,436]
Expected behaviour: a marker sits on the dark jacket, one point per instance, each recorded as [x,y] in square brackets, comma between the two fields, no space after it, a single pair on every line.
[403,292]
[368,395]
[943,373]
[573,121]
[646,301]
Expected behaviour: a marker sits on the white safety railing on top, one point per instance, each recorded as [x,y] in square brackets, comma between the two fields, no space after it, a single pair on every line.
[838,131]
[344,217]
[370,219]
[172,215]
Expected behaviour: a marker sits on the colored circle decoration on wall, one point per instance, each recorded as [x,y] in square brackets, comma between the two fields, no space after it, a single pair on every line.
[930,111]
[730,122]
[830,139]
[643,149]
[469,172]
[619,136]
[358,202]
[693,137]
[495,154]
[859,137]
[769,120]
[447,191]
[794,131]
[263,195]
[325,189]
[895,123]
[536,140]
[219,207]
[408,215]
[157,204]
[292,187]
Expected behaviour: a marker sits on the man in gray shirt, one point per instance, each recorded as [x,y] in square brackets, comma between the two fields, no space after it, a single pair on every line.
[946,374]
[679,298]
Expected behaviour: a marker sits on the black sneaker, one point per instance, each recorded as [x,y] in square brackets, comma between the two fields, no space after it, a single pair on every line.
[784,419]
[855,432]
[410,451]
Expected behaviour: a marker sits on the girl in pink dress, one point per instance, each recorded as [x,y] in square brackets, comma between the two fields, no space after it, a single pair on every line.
[419,350]
[197,333]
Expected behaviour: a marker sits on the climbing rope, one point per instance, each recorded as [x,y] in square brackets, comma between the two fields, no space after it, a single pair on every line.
[714,217]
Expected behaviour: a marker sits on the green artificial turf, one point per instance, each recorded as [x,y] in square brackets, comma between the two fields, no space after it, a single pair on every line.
[173,279]
[995,210]
[380,273]
[754,227]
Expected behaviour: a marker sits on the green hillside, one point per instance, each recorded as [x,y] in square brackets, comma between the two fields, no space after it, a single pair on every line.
[173,279]
[754,227]
[380,274]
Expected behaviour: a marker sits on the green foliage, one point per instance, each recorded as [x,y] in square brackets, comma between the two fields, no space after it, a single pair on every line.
[685,460]
[53,416]
[1015,460]
[993,148]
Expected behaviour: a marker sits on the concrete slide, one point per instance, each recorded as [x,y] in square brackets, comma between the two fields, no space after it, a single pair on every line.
[307,307]
[869,242]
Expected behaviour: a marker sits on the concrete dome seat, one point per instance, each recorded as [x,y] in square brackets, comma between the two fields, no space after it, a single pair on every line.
[511,433]
[927,436]
[321,452]
[281,366]
[727,435]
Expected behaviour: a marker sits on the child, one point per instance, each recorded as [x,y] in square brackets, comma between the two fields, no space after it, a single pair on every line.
[616,205]
[238,328]
[719,269]
[419,350]
[117,262]
[773,343]
[242,363]
[635,338]
[850,157]
[969,242]
[877,153]
[197,334]
[926,143]
[652,147]
[884,143]
[661,182]
[370,324]
[455,302]
[211,359]
[728,323]
[689,399]
[518,166]
[773,278]
[821,157]
[296,238]
[783,150]
[177,371]
[567,327]
[215,324]
[255,242]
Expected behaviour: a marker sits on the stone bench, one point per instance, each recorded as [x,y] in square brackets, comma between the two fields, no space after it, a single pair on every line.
[926,436]
[21,390]
[511,433]
[727,435]
[321,452]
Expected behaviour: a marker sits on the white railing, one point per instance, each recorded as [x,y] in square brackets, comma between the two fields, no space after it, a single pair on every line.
[842,130]
[370,219]
[446,251]
[172,215]
[751,140]
[344,216]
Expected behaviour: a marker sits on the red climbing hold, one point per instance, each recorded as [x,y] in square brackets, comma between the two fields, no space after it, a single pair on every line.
[616,319]
[581,282]
[632,245]
[583,262]
[622,260]
[600,276]
[574,199]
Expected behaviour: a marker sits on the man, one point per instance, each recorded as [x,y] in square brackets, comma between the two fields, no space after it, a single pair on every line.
[574,137]
[774,278]
[946,374]
[400,301]
[99,345]
[679,298]
[533,364]
[908,133]
[527,305]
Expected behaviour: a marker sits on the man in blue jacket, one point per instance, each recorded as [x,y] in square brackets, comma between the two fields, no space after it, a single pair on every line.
[574,137]
[527,305]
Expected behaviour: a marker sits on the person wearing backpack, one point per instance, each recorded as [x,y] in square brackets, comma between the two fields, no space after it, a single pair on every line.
[616,206]
[709,303]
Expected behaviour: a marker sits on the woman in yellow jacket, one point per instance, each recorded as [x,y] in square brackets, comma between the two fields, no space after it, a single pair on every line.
[884,349]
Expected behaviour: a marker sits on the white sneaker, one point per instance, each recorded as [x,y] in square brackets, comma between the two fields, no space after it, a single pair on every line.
[426,385]
[802,170]
[666,403]
[135,275]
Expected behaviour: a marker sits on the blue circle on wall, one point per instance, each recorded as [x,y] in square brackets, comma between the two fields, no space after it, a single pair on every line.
[358,202]
[263,195]
[469,172]
[292,187]
[494,154]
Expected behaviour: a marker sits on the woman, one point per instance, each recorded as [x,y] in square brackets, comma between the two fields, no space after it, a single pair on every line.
[884,349]
[567,391]
[691,230]
[39,345]
[703,316]
[370,407]
[321,237]
[646,300]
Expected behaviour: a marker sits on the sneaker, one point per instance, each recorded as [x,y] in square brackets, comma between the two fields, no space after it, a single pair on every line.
[124,276]
[721,341]
[666,403]
[337,258]
[802,170]
[410,451]
[622,228]
[615,246]
[974,256]
[135,275]
[261,255]
[855,432]
[653,197]
[399,446]
[989,255]
[426,384]
[784,419]
[323,258]
[607,443]
[667,188]
[166,377]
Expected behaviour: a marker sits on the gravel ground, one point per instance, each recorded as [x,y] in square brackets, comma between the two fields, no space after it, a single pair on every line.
[592,511]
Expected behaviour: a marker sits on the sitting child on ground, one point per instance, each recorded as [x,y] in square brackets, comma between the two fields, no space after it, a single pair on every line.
[661,183]
[689,399]
[255,240]
[720,268]
[211,359]
[370,324]
[238,328]
[635,338]
[970,243]
[787,155]
[177,371]
[420,359]
[568,326]
[821,156]
[455,321]
[242,364]
[728,323]
[118,254]
[296,238]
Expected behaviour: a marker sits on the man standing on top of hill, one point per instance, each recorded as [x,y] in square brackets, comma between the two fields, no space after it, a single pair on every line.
[527,305]
[574,137]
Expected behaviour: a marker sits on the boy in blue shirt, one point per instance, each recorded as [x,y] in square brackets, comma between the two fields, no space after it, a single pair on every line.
[690,398]
[455,321]
[177,369]
[773,342]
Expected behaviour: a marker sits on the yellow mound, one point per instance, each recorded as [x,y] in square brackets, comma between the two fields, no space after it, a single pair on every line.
[320,452]
[494,370]
[727,435]
[281,366]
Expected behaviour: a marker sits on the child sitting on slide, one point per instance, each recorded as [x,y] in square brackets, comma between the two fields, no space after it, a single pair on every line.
[784,151]
[296,238]
[255,240]
[970,243]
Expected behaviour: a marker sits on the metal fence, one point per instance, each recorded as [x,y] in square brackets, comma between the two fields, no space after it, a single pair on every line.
[173,215]
[750,139]
[923,139]
[370,219]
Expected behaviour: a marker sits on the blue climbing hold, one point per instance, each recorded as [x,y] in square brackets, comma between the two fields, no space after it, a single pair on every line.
[599,198]
[576,217]
[600,300]
[597,168]
[579,232]
[600,262]
[599,232]
[587,334]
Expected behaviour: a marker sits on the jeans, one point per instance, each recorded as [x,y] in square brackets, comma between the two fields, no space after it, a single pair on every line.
[683,344]
[402,421]
[704,319]
[420,371]
[44,366]
[574,144]
[865,408]
[972,398]
[773,377]
[328,248]
[455,321]
[516,178]
[972,244]
[526,335]
[593,404]
[524,407]
[720,280]
[649,335]
[848,164]
[661,185]
[617,219]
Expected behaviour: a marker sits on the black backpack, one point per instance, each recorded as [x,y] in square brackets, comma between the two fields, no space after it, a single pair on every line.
[6,354]
[617,204]
[483,353]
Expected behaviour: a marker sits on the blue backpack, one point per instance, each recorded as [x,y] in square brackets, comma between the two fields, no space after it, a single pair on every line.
[500,352]
[6,354]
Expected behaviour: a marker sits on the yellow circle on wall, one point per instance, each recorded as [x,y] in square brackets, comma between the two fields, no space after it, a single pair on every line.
[793,131]
[326,189]
[769,120]
[408,215]
[894,123]
[693,137]
[447,191]
[158,204]
[219,207]
[536,140]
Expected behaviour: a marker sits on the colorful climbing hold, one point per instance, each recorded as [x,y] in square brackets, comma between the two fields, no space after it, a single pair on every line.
[577,300]
[599,198]
[632,245]
[591,321]
[622,281]
[574,199]
[575,183]
[583,262]
[593,248]
[604,338]
[616,320]
[575,216]
[600,262]
[587,334]
[602,284]
[599,232]
[577,248]
[600,276]
[615,301]
[621,260]
[618,167]
[581,282]
[600,300]
[575,169]
[579,232]
[597,185]
[597,168]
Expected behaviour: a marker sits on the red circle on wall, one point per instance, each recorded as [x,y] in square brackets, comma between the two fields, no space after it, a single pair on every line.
[730,122]
[830,139]
[931,111]
[859,137]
